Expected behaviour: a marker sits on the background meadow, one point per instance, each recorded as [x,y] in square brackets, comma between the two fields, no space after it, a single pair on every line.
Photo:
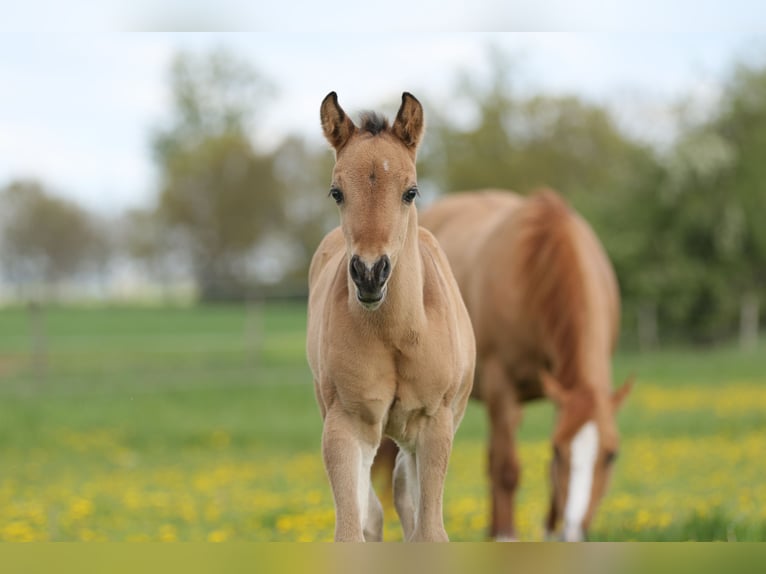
[199,424]
[161,196]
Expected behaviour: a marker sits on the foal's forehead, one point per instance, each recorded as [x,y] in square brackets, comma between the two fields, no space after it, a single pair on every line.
[374,157]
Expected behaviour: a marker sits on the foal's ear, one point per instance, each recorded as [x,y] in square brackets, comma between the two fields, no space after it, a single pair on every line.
[336,125]
[618,396]
[409,124]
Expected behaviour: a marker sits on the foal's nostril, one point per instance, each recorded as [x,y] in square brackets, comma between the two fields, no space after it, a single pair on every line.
[381,270]
[357,269]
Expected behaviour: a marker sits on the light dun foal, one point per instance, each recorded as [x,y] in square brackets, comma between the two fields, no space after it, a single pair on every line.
[389,342]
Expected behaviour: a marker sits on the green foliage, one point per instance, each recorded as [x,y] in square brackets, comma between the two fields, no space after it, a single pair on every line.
[682,226]
[45,239]
[706,215]
[216,187]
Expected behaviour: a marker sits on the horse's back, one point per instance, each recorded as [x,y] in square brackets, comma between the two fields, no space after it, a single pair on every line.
[462,222]
[562,264]
[531,270]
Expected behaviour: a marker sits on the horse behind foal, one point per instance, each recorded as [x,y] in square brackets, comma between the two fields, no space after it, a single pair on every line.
[389,340]
[544,303]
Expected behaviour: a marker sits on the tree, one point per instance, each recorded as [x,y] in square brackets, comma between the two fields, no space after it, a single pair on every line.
[723,196]
[147,240]
[523,143]
[564,142]
[706,258]
[303,172]
[217,189]
[46,240]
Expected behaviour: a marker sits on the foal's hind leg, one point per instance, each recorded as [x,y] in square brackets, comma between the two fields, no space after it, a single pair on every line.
[405,491]
[499,394]
[373,527]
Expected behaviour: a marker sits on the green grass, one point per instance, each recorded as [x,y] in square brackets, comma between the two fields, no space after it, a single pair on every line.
[124,397]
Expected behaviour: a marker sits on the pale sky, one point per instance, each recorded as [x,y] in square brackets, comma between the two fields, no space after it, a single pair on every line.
[77,110]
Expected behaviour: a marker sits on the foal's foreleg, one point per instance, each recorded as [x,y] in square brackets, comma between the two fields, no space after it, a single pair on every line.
[432,451]
[348,448]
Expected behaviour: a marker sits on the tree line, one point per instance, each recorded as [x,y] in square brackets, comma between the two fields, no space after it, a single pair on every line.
[682,224]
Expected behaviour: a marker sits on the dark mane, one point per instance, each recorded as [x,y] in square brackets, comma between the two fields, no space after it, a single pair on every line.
[373,122]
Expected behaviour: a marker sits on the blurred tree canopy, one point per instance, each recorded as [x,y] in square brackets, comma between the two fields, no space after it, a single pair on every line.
[217,189]
[710,202]
[681,223]
[46,240]
[682,226]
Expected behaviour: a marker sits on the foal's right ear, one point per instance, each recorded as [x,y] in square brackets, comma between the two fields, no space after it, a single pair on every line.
[336,125]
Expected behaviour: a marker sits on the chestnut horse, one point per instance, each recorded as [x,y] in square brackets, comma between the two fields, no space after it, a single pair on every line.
[545,308]
[389,339]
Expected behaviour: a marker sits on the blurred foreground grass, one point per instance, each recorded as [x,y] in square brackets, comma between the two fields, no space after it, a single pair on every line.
[200,424]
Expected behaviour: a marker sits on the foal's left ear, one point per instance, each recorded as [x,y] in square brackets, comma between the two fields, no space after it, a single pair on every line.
[409,124]
[618,396]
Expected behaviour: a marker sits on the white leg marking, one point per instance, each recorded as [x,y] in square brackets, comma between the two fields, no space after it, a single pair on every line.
[366,455]
[582,466]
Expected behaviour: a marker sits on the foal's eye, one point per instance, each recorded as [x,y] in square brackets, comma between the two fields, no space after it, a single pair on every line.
[336,194]
[611,456]
[410,195]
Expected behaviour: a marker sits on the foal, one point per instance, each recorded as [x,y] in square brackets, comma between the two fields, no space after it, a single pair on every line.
[389,340]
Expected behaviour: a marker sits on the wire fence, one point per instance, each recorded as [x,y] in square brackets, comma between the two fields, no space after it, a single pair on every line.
[56,350]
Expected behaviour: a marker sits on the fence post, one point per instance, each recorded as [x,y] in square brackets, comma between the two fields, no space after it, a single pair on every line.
[647,326]
[748,321]
[253,331]
[39,340]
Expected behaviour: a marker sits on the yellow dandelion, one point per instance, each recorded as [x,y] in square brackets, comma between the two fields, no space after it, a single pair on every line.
[218,536]
[80,508]
[18,531]
[285,523]
[168,533]
[87,535]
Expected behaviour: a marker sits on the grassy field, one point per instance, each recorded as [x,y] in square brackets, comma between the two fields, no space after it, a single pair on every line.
[200,424]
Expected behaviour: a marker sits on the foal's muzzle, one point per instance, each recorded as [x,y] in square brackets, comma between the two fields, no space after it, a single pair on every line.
[370,281]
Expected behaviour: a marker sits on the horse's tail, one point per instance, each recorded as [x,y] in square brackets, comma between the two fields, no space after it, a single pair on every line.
[550,277]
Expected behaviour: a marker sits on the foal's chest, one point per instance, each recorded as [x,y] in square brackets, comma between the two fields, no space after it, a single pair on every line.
[423,383]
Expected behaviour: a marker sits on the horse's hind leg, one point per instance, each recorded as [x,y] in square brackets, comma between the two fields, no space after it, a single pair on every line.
[499,395]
